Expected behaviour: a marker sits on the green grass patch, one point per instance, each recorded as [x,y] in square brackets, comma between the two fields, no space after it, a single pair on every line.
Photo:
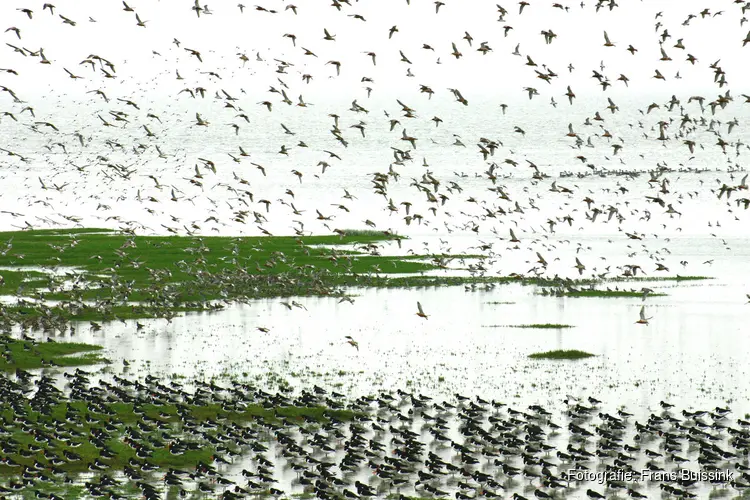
[26,355]
[167,274]
[109,275]
[31,315]
[541,326]
[600,293]
[371,233]
[436,281]
[561,354]
[71,491]
[611,293]
[11,281]
[662,278]
[404,497]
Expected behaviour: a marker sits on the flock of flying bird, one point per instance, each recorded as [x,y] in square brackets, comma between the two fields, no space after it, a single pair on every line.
[123,117]
[123,148]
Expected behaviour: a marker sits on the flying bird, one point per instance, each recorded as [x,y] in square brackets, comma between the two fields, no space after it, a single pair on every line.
[352,342]
[420,311]
[607,43]
[643,319]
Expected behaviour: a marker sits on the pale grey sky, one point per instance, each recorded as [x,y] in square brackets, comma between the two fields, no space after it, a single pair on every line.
[146,62]
[220,36]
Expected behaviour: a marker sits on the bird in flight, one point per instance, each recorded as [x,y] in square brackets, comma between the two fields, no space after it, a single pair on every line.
[607,43]
[580,267]
[643,319]
[420,311]
[352,342]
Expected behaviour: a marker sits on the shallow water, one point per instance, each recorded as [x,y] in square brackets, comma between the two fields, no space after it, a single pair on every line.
[693,351]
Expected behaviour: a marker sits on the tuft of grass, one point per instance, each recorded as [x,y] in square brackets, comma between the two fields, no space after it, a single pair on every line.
[561,354]
[71,491]
[601,293]
[404,497]
[26,355]
[411,281]
[662,278]
[371,233]
[551,326]
[721,493]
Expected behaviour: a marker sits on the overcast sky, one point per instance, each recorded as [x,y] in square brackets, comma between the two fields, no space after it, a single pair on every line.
[147,60]
[226,32]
